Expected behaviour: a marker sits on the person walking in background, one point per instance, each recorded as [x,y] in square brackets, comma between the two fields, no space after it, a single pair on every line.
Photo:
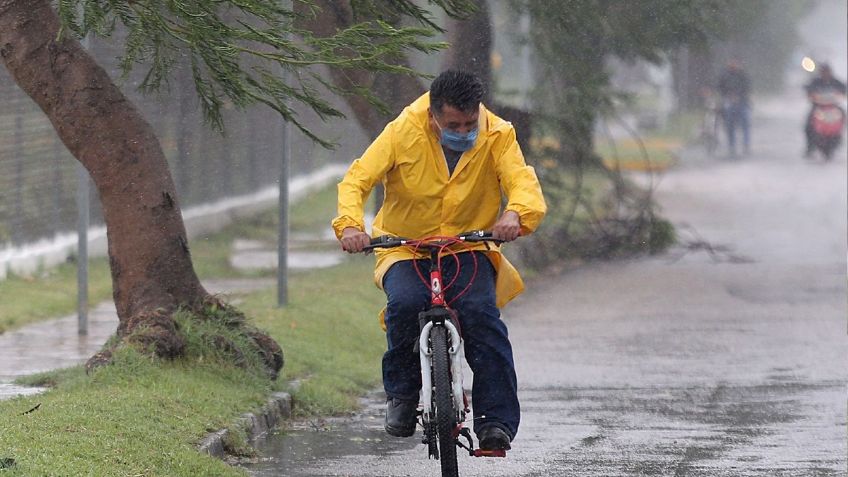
[735,89]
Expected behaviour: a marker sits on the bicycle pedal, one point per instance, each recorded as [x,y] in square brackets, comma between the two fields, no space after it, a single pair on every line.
[489,453]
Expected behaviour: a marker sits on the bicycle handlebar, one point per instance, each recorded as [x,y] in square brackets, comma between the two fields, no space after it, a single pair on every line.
[390,241]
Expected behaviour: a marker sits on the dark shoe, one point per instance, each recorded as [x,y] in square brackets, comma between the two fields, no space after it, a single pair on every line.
[493,438]
[401,417]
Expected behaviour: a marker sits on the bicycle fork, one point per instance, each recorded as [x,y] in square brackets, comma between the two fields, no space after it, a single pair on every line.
[428,323]
[426,354]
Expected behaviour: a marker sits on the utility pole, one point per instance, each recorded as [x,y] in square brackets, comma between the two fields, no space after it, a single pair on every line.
[283,232]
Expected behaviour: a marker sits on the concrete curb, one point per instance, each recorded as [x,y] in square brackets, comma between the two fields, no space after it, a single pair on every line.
[255,425]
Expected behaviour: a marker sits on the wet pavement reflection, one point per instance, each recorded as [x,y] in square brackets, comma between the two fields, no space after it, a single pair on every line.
[51,345]
[301,448]
[358,446]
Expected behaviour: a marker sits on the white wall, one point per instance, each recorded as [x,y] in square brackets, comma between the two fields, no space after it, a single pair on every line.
[199,220]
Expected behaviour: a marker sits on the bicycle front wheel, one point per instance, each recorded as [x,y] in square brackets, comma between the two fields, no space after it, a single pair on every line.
[444,405]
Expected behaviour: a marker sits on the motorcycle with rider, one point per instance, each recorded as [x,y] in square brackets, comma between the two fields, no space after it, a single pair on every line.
[826,119]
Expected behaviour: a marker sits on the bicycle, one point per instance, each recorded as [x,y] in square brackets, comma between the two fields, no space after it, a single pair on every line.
[710,127]
[444,404]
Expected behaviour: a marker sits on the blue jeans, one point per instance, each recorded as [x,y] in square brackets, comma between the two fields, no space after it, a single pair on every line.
[737,115]
[487,349]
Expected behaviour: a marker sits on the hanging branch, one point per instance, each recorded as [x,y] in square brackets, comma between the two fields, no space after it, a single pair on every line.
[219,39]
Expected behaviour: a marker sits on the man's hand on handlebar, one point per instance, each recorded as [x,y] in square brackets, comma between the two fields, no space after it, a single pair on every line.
[508,227]
[354,240]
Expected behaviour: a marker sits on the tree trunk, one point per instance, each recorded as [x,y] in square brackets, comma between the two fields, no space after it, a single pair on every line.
[692,72]
[471,44]
[397,91]
[152,272]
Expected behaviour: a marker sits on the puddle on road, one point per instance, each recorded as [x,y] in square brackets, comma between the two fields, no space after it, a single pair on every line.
[358,446]
[310,448]
[9,390]
[50,345]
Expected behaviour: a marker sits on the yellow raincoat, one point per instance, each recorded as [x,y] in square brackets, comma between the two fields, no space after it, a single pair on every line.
[421,200]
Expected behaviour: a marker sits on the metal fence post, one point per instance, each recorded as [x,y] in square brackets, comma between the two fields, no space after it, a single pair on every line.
[82,248]
[283,235]
[18,234]
[83,219]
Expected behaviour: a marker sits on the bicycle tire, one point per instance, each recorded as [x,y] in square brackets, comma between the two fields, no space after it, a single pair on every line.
[444,406]
[710,144]
[710,133]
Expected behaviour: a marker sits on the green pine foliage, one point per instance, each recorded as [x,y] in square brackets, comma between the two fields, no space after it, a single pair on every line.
[598,212]
[245,52]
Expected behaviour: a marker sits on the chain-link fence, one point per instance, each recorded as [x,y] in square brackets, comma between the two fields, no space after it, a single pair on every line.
[37,174]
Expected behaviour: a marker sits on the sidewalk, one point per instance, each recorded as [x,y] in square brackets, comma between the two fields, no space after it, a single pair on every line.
[55,344]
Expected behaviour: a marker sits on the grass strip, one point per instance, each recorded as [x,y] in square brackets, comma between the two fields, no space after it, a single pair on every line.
[144,417]
[50,293]
[331,332]
[649,154]
[137,417]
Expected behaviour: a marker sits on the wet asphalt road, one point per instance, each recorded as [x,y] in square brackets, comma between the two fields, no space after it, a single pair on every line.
[694,363]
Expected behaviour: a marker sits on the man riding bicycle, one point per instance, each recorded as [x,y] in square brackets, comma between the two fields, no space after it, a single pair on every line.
[445,162]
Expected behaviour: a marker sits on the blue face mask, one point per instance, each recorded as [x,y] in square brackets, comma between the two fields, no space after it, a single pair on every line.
[456,141]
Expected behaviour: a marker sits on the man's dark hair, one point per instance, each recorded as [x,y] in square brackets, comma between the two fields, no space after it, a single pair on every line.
[459,89]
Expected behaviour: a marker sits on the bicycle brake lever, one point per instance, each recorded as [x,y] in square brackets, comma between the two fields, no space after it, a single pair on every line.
[384,241]
[381,240]
[478,234]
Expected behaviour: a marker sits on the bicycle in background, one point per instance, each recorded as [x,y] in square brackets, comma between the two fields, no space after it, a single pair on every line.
[710,121]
